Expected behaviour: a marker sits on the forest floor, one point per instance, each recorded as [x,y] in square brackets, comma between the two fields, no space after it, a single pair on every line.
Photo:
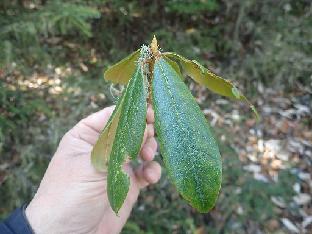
[267,183]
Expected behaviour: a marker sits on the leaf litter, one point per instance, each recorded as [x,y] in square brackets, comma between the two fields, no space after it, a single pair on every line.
[281,141]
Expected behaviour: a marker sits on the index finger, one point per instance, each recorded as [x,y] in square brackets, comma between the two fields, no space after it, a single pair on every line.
[150,115]
[98,120]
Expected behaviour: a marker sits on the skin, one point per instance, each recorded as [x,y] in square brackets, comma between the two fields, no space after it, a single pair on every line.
[72,195]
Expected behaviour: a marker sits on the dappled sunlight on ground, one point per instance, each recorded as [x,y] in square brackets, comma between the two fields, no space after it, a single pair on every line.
[281,140]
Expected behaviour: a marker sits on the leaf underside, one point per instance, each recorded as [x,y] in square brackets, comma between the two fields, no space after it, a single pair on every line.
[122,71]
[210,80]
[189,150]
[121,139]
[103,147]
[175,66]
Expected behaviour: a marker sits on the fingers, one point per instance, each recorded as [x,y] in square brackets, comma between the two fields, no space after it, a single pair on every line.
[89,128]
[98,120]
[150,115]
[149,132]
[148,150]
[152,172]
[148,173]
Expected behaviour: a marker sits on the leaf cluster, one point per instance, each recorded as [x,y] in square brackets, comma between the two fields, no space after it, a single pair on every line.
[189,150]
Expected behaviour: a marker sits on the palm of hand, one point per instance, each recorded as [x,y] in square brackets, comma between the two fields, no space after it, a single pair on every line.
[72,194]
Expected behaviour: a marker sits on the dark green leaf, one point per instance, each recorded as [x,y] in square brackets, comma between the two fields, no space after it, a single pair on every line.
[121,139]
[128,139]
[189,150]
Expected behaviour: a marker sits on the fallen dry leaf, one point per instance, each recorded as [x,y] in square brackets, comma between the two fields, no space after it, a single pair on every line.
[290,226]
[302,199]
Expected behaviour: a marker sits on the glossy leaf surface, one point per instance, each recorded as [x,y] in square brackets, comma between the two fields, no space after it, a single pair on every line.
[122,71]
[207,78]
[189,150]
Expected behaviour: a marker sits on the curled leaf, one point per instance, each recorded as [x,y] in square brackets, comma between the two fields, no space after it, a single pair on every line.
[103,147]
[236,92]
[210,80]
[174,65]
[122,71]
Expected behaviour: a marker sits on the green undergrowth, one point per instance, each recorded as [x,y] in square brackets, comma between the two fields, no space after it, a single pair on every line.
[28,146]
[159,209]
[249,42]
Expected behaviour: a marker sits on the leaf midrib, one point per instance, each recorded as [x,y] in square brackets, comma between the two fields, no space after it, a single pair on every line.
[182,127]
[122,131]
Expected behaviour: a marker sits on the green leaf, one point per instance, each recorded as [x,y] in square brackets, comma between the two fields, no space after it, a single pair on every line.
[128,139]
[236,92]
[189,150]
[121,139]
[121,72]
[174,65]
[213,82]
[103,147]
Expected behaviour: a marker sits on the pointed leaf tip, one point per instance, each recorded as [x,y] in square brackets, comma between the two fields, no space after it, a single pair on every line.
[236,92]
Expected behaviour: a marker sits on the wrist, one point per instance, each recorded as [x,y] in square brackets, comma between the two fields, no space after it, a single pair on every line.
[42,218]
[33,214]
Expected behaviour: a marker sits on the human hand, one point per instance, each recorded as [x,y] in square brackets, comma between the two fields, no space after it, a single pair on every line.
[72,195]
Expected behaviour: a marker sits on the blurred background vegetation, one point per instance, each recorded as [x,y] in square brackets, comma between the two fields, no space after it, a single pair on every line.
[52,56]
